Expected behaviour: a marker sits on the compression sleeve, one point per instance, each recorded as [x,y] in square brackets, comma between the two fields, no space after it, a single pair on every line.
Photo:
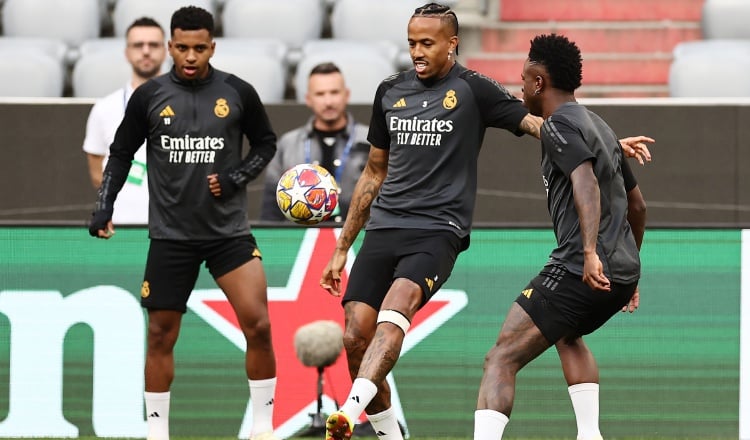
[628,177]
[128,138]
[257,128]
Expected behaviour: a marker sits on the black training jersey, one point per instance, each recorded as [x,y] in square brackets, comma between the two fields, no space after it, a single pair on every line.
[194,129]
[434,132]
[570,136]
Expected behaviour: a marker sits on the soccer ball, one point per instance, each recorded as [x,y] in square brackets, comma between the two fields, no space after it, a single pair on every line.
[307,194]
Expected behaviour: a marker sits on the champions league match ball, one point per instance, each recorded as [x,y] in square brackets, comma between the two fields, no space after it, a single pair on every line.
[307,194]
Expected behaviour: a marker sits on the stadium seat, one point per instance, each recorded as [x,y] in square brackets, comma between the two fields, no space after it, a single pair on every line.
[101,68]
[292,21]
[710,68]
[53,47]
[725,19]
[364,66]
[34,74]
[127,11]
[261,62]
[375,20]
[71,22]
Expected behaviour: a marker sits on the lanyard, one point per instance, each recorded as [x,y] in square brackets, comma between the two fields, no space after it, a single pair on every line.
[344,155]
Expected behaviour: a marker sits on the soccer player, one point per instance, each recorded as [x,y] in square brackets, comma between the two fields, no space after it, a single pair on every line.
[599,215]
[193,120]
[331,138]
[145,52]
[416,197]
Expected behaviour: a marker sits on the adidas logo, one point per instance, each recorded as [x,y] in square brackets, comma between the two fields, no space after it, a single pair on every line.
[380,433]
[355,398]
[400,103]
[269,403]
[527,293]
[167,112]
[154,415]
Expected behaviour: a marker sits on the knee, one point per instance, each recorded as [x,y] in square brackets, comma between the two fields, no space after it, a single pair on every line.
[258,329]
[354,342]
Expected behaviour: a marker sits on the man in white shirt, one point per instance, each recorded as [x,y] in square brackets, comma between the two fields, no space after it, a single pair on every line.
[145,51]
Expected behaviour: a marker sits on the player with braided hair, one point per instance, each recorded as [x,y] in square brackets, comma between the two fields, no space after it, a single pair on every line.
[599,217]
[415,198]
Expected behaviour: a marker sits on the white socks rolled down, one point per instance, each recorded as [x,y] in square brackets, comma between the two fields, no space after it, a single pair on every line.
[157,415]
[489,424]
[262,394]
[585,399]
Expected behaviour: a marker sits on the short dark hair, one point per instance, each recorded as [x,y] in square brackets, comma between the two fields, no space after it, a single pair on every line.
[192,18]
[562,59]
[144,22]
[325,68]
[443,12]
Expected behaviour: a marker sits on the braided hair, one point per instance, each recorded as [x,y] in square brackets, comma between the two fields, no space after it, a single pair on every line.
[444,13]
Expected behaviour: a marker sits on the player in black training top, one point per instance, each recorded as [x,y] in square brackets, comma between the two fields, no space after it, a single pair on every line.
[194,119]
[599,219]
[415,199]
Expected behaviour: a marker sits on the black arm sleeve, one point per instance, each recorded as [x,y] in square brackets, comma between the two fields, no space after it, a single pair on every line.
[128,138]
[627,176]
[257,128]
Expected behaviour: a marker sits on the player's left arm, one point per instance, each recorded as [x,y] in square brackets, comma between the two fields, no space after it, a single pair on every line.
[256,126]
[588,205]
[637,221]
[365,192]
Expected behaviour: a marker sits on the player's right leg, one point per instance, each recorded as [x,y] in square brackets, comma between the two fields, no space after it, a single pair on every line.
[171,271]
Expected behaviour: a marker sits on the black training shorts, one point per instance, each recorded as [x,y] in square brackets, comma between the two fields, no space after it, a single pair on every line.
[561,304]
[423,256]
[172,267]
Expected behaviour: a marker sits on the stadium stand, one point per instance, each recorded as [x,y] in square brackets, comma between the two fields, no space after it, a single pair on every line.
[626,44]
[101,67]
[34,74]
[726,19]
[126,11]
[710,68]
[374,21]
[364,66]
[261,62]
[297,21]
[72,23]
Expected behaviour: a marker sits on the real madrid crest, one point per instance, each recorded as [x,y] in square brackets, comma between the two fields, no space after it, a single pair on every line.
[450,100]
[145,289]
[222,108]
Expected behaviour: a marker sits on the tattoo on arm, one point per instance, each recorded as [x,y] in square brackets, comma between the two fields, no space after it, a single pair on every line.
[531,125]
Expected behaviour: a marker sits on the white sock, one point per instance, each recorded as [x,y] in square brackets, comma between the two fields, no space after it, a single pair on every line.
[362,392]
[262,399]
[585,398]
[157,415]
[385,425]
[489,424]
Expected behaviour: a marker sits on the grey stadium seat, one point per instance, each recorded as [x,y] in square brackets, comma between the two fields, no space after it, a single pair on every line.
[71,22]
[726,19]
[35,74]
[375,20]
[710,68]
[363,66]
[292,21]
[127,11]
[99,71]
[261,62]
